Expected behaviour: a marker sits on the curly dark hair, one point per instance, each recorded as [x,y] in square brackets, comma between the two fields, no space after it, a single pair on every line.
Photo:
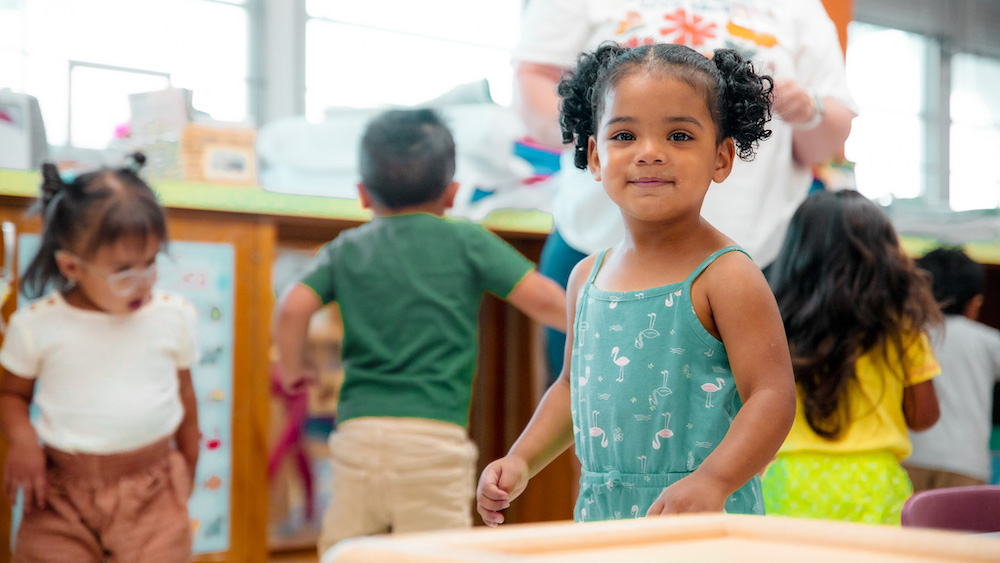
[738,98]
[82,213]
[845,287]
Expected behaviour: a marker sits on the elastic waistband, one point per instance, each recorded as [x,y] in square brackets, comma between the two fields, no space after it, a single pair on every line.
[615,478]
[110,467]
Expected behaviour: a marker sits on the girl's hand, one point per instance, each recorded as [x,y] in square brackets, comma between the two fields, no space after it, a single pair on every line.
[25,469]
[694,493]
[501,482]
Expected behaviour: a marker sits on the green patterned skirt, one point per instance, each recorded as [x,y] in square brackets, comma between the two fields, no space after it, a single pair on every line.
[868,487]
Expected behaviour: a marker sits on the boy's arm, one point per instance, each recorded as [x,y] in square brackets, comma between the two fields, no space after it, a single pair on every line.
[542,299]
[25,463]
[548,433]
[289,333]
[747,318]
[188,436]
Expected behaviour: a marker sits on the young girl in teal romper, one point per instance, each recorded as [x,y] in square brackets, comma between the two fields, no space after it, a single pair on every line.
[678,388]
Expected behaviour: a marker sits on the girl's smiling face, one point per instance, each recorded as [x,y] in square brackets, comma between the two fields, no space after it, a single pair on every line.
[655,148]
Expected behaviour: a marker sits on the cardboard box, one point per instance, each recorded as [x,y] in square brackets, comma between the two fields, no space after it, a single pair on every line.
[218,154]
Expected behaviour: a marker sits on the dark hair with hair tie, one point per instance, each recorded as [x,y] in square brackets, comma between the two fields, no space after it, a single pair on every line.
[738,99]
[89,211]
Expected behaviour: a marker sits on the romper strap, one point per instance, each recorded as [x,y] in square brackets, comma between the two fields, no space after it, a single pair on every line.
[708,261]
[598,262]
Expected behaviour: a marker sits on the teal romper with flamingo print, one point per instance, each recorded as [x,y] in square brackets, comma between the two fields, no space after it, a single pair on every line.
[652,394]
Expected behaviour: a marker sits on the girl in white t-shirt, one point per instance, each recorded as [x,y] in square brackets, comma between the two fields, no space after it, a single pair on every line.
[107,468]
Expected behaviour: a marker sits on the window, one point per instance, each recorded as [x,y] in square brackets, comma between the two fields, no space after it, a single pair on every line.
[82,59]
[930,120]
[975,133]
[400,52]
[887,70]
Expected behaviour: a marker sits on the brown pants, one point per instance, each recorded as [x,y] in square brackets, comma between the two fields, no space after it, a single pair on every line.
[924,479]
[116,508]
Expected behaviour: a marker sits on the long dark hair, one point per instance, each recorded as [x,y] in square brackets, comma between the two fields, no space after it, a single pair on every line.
[845,287]
[738,99]
[83,213]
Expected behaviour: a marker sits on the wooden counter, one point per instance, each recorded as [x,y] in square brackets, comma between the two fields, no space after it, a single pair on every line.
[257,225]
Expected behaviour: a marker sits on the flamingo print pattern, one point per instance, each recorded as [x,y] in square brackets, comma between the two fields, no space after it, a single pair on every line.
[661,391]
[710,388]
[645,443]
[665,433]
[647,333]
[596,430]
[620,362]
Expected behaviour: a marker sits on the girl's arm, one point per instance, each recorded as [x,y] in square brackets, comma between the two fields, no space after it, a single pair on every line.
[25,464]
[920,405]
[548,433]
[537,101]
[188,437]
[747,319]
[542,299]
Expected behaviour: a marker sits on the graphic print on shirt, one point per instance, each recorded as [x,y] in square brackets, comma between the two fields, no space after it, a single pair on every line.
[661,391]
[586,370]
[620,362]
[665,433]
[669,301]
[596,431]
[647,333]
[710,388]
[749,27]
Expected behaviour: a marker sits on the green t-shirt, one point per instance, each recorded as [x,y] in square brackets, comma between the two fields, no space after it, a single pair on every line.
[409,289]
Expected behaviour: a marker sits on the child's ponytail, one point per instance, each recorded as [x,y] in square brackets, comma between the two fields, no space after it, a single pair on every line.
[579,105]
[53,205]
[745,102]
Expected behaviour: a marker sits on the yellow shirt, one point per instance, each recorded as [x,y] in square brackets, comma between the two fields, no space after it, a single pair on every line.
[876,405]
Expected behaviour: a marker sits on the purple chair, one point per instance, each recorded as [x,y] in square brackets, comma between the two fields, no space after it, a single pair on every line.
[969,509]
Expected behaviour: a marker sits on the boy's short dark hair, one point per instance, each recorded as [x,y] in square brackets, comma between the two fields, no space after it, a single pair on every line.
[956,278]
[407,157]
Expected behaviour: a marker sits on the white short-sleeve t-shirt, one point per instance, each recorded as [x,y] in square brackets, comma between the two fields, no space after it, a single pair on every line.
[793,39]
[103,383]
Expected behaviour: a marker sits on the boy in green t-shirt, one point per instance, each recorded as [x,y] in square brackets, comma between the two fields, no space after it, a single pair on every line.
[409,284]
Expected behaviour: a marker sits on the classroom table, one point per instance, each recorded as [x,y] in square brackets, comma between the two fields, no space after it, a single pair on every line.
[705,538]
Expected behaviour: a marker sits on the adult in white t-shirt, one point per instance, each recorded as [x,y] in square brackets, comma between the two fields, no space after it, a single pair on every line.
[955,452]
[794,41]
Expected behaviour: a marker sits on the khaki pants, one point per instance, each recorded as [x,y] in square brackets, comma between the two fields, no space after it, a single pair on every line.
[924,479]
[116,508]
[398,475]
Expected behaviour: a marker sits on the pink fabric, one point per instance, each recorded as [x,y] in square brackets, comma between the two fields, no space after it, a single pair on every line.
[115,508]
[290,440]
